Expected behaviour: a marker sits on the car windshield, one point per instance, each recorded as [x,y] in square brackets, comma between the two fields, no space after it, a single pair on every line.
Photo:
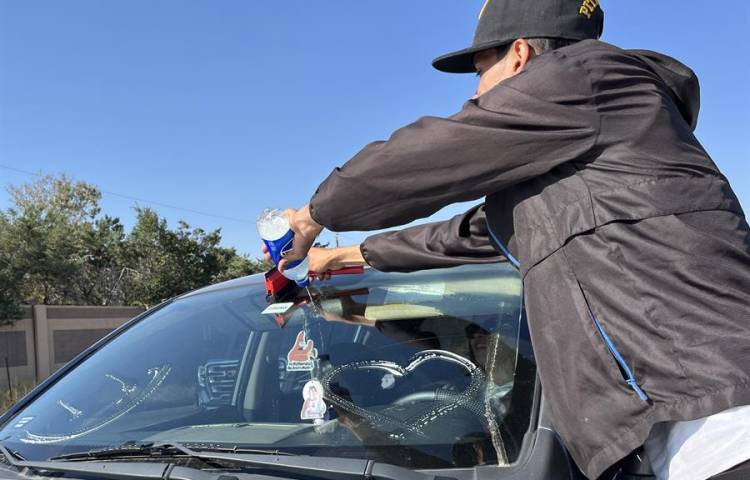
[425,370]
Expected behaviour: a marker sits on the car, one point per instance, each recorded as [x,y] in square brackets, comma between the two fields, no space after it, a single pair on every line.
[423,375]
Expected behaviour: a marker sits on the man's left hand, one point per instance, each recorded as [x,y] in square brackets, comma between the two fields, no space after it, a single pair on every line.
[305,229]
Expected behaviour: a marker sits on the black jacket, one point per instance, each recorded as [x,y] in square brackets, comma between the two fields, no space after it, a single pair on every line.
[634,250]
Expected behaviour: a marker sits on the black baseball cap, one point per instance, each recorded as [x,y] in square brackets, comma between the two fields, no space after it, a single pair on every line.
[503,21]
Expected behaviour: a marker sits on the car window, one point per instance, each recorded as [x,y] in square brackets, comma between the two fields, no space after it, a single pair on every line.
[425,370]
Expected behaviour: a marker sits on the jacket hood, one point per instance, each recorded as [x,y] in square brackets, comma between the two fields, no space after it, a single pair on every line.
[680,79]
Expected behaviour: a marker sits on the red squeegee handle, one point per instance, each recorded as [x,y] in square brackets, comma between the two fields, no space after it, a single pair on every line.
[276,282]
[348,271]
[341,271]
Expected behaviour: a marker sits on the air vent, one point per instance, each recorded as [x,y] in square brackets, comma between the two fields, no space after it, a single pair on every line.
[218,378]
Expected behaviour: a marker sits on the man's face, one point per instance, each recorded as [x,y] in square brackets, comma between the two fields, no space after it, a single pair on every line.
[490,69]
[493,69]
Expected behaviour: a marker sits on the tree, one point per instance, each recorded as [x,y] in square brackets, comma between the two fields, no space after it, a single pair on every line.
[10,297]
[100,263]
[57,248]
[165,262]
[233,265]
[44,237]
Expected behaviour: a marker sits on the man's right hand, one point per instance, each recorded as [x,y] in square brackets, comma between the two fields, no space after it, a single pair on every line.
[323,260]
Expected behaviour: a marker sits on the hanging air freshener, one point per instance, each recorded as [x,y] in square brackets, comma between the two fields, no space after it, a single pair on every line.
[314,407]
[301,357]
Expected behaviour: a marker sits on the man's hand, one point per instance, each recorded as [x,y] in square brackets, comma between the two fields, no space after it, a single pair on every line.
[323,260]
[305,231]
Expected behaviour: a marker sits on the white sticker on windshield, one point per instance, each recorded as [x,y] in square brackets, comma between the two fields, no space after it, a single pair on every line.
[278,308]
[314,406]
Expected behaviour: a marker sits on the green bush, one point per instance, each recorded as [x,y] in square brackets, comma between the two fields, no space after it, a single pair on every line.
[57,248]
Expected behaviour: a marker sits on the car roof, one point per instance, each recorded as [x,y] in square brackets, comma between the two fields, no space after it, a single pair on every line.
[254,280]
[364,279]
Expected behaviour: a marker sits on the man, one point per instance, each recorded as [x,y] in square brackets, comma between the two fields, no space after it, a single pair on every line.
[634,251]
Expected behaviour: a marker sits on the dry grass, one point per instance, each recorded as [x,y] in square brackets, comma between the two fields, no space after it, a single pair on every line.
[8,398]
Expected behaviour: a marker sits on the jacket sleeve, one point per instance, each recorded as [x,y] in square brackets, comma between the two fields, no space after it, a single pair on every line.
[458,241]
[522,128]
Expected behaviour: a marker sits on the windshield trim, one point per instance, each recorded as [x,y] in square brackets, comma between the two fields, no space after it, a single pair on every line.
[247,281]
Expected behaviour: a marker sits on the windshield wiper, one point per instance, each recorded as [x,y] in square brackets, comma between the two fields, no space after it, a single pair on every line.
[327,468]
[116,470]
[127,450]
[121,471]
[159,450]
[238,449]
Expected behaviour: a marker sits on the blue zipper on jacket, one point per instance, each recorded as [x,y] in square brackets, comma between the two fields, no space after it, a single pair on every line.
[629,377]
[503,248]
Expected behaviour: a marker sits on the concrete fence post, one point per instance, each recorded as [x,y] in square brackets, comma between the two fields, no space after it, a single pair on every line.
[41,342]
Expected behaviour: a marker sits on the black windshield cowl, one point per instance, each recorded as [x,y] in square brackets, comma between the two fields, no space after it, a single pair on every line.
[327,468]
[113,470]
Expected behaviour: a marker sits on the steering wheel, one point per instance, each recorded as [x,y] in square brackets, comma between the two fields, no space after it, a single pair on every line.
[443,401]
[416,397]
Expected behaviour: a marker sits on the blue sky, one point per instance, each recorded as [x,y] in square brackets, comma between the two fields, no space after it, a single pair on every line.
[229,107]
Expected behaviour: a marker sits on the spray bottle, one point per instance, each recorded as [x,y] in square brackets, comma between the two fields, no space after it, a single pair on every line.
[278,237]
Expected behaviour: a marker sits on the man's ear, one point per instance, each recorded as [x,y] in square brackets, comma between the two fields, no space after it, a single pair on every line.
[519,55]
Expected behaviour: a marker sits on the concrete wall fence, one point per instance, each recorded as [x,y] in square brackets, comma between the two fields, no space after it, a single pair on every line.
[49,336]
